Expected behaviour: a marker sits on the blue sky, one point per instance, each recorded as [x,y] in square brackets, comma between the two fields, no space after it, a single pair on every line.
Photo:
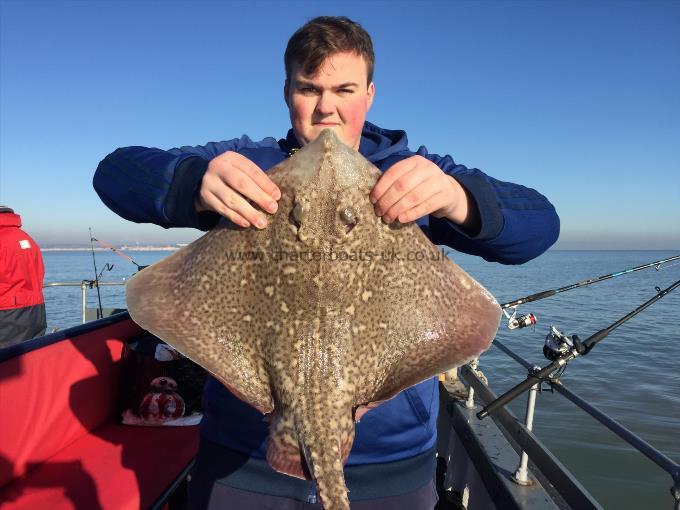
[580,100]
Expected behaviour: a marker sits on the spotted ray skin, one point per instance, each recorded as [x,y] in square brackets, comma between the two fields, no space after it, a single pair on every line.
[325,310]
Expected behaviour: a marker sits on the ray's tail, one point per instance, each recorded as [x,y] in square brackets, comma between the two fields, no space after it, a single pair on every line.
[325,446]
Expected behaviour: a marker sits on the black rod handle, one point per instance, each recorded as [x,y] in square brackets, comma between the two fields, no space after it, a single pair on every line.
[508,396]
[535,376]
[529,299]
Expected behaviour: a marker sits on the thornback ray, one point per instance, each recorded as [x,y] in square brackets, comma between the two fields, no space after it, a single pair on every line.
[326,310]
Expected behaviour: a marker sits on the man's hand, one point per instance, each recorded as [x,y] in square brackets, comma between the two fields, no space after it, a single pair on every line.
[415,187]
[230,181]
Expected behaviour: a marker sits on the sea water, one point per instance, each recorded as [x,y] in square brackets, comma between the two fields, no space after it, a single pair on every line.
[632,375]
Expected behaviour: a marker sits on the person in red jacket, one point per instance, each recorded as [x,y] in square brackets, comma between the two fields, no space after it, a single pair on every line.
[22,306]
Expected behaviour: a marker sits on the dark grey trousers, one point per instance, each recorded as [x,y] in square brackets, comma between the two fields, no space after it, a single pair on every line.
[19,324]
[223,479]
[223,497]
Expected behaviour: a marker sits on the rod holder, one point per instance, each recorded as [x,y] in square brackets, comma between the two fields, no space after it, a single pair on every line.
[470,402]
[521,476]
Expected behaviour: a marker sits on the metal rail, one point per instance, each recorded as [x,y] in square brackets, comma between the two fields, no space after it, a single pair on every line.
[639,444]
[84,285]
[550,469]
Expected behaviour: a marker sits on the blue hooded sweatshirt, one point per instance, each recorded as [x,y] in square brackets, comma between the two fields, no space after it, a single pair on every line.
[147,185]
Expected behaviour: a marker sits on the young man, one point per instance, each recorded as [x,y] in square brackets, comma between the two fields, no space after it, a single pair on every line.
[329,84]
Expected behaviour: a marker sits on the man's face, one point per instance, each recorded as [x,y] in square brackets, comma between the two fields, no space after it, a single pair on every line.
[336,97]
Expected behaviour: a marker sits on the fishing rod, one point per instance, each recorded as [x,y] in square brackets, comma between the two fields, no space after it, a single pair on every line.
[100,310]
[117,252]
[530,319]
[561,350]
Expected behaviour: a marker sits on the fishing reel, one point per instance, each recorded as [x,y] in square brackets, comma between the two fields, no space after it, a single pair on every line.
[558,344]
[522,321]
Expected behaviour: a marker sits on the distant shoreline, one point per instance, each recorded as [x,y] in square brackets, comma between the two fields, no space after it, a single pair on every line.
[124,248]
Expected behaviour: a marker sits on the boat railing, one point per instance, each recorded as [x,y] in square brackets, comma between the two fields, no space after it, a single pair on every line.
[84,286]
[534,451]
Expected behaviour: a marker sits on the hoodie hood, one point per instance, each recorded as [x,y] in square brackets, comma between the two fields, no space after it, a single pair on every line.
[376,143]
[10,220]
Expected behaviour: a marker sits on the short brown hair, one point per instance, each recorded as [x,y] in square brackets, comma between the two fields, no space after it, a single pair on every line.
[323,36]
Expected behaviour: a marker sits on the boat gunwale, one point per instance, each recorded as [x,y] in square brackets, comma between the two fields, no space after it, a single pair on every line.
[12,351]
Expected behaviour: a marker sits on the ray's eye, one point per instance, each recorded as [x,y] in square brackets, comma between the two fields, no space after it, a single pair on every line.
[349,218]
[298,214]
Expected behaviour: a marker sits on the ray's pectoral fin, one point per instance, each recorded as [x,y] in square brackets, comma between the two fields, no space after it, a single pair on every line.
[166,300]
[434,341]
